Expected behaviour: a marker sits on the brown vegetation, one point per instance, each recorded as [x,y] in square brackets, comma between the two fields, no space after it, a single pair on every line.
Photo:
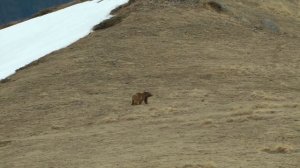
[5,80]
[216,6]
[4,143]
[108,23]
[278,149]
[115,19]
[72,110]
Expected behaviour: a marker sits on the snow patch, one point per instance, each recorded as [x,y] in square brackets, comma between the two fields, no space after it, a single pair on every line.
[28,41]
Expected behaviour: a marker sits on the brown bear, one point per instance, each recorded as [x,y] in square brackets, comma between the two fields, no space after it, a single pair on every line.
[138,98]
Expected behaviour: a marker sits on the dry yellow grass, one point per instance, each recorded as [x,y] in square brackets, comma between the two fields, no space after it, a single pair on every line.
[279,149]
[224,92]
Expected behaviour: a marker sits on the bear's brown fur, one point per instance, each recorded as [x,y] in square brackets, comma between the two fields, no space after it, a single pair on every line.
[138,98]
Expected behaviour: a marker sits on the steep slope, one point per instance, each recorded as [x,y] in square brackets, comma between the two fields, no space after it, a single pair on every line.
[30,40]
[225,82]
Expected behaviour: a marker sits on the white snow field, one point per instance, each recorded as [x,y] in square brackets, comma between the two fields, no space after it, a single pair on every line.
[30,40]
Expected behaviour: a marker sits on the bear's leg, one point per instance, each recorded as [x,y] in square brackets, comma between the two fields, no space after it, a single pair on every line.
[141,101]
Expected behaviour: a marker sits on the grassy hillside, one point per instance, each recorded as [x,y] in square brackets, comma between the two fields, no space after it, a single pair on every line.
[225,80]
